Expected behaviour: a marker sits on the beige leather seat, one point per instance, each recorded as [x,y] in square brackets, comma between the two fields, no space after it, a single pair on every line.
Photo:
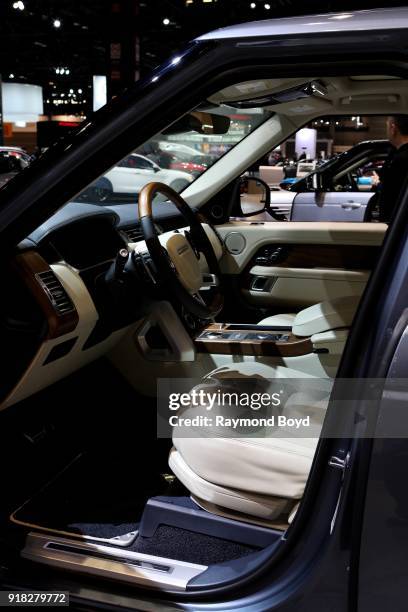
[259,477]
[264,477]
[333,314]
[280,320]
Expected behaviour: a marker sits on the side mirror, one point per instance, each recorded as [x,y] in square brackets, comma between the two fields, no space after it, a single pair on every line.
[255,198]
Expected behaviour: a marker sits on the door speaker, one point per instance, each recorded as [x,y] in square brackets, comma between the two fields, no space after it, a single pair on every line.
[235,243]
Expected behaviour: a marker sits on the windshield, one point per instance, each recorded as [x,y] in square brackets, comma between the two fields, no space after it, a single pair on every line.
[178,155]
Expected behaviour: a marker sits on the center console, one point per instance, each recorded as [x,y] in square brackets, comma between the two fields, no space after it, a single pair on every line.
[247,339]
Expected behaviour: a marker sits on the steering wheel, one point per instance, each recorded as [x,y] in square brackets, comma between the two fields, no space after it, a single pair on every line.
[177,263]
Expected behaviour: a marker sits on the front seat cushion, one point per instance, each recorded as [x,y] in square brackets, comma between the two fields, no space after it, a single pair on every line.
[262,477]
[238,468]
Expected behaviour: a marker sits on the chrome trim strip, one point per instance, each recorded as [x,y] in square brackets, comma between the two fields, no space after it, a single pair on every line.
[99,560]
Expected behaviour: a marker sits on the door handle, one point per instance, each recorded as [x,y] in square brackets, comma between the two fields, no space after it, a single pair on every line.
[351,205]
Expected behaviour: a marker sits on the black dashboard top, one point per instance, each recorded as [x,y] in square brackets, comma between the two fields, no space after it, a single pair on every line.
[121,216]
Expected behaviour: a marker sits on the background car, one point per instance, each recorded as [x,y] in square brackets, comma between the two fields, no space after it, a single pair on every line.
[195,165]
[12,161]
[131,175]
[347,173]
[177,148]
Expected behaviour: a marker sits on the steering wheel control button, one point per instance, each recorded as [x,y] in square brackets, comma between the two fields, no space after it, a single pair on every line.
[235,243]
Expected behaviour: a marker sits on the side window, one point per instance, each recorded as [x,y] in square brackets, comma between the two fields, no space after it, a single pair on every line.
[137,162]
[141,162]
[126,163]
[312,175]
[361,175]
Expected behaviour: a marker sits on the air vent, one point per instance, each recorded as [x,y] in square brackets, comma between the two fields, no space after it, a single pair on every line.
[134,234]
[56,292]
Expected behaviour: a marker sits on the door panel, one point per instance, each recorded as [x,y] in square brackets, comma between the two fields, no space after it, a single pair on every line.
[331,206]
[301,287]
[293,265]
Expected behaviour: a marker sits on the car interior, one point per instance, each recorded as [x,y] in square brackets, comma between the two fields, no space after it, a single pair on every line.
[103,301]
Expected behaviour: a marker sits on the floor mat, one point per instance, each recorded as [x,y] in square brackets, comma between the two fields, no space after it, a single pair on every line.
[98,498]
[189,546]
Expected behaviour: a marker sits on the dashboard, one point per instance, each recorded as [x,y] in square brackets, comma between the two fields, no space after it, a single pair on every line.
[58,314]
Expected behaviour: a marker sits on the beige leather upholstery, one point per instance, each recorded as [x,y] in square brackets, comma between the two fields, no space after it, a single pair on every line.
[325,316]
[256,476]
[262,477]
[280,320]
[236,499]
[329,315]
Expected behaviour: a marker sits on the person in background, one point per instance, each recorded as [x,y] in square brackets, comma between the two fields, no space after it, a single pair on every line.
[395,170]
[275,158]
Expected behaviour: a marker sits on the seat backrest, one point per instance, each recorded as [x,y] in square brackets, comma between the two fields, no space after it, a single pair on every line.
[325,316]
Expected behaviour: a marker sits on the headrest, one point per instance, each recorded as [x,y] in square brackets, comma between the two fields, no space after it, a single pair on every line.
[325,316]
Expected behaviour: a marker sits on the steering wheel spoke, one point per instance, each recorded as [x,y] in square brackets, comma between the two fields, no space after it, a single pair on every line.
[178,264]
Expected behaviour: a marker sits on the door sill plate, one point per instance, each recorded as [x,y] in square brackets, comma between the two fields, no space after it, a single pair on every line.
[109,562]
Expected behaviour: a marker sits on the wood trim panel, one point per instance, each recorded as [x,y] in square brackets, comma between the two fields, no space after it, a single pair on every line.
[294,347]
[349,257]
[29,264]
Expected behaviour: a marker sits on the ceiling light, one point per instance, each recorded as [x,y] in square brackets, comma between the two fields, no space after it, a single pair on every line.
[71,91]
[57,23]
[11,76]
[166,21]
[19,5]
[267,6]
[79,90]
[67,70]
[252,5]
